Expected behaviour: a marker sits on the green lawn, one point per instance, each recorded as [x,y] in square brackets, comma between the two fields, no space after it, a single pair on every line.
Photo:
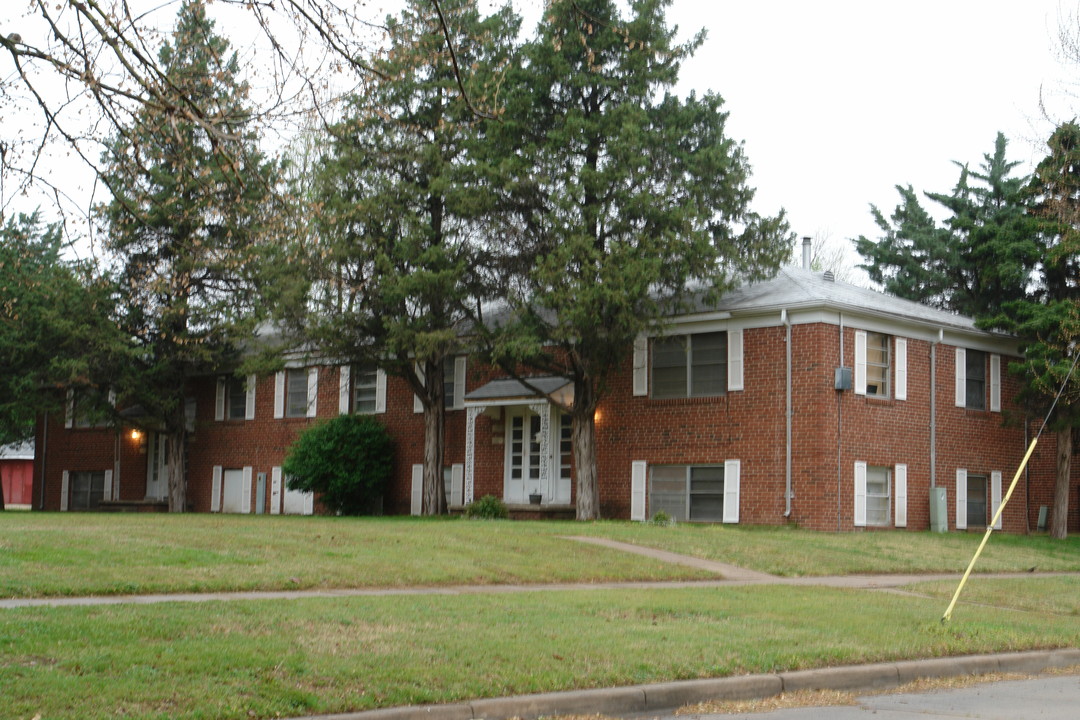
[48,554]
[264,658]
[793,553]
[53,554]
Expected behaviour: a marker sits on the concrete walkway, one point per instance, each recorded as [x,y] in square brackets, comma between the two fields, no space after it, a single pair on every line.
[728,576]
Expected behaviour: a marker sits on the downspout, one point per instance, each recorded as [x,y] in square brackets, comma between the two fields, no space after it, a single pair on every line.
[44,458]
[787,413]
[839,431]
[933,407]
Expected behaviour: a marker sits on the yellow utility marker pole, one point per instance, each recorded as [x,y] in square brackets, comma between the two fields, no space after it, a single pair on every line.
[989,529]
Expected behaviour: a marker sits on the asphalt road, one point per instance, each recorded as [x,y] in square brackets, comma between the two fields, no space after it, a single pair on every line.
[1048,697]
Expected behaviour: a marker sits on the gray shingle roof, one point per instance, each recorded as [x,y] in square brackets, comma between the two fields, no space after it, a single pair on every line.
[794,289]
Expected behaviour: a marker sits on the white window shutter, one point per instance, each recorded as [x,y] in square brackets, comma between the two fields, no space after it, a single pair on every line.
[309,503]
[901,368]
[215,490]
[459,382]
[65,489]
[735,360]
[637,489]
[275,491]
[344,384]
[860,494]
[245,492]
[249,400]
[732,480]
[108,494]
[417,490]
[279,394]
[457,484]
[900,480]
[961,377]
[860,362]
[380,391]
[418,406]
[69,410]
[995,383]
[312,391]
[995,496]
[961,499]
[219,400]
[641,365]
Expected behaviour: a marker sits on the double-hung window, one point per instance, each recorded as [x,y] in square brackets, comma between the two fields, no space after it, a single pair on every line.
[975,379]
[87,490]
[690,365]
[878,495]
[236,398]
[688,492]
[296,392]
[365,388]
[877,364]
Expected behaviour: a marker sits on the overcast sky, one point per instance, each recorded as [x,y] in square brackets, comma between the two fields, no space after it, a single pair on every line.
[838,101]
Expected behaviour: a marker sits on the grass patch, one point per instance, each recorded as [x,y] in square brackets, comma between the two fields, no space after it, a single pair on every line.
[1057,595]
[263,658]
[60,554]
[791,552]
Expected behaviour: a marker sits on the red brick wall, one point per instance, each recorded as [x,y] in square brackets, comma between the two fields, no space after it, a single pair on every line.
[747,425]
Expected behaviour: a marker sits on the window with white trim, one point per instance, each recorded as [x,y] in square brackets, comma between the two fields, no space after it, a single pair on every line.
[877,364]
[688,492]
[296,392]
[690,365]
[878,495]
[87,490]
[975,381]
[365,389]
[236,394]
[976,500]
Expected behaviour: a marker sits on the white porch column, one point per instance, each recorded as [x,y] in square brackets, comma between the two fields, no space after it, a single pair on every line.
[470,450]
[544,411]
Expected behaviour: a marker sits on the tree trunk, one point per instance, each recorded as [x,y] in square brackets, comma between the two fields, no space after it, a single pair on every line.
[434,482]
[583,436]
[434,488]
[177,468]
[1059,515]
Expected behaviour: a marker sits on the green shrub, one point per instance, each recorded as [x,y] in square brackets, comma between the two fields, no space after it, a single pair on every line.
[488,507]
[662,518]
[348,460]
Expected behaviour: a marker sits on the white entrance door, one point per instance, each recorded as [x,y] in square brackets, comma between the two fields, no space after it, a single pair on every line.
[157,467]
[564,450]
[232,491]
[522,475]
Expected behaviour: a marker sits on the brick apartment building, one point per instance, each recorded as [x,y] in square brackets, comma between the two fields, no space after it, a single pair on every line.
[798,399]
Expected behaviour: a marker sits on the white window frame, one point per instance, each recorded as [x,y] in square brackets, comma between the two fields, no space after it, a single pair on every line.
[641,477]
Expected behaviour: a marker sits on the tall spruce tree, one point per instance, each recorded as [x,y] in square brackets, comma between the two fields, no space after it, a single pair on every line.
[398,265]
[624,195]
[189,202]
[979,258]
[1047,318]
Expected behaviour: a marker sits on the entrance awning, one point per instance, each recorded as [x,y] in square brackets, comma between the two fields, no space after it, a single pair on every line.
[509,391]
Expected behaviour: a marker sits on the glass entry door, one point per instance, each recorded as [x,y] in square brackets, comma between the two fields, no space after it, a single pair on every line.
[157,467]
[522,456]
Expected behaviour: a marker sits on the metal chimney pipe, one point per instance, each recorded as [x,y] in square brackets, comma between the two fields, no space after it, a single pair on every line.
[806,253]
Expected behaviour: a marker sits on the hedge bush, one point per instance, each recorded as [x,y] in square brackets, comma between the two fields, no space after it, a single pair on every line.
[347,460]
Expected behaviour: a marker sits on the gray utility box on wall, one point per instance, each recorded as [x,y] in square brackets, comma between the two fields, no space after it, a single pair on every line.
[939,510]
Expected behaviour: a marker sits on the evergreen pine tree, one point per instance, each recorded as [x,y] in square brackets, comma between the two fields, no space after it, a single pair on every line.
[399,266]
[189,203]
[624,195]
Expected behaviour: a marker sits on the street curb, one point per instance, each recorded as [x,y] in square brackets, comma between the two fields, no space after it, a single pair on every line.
[659,697]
